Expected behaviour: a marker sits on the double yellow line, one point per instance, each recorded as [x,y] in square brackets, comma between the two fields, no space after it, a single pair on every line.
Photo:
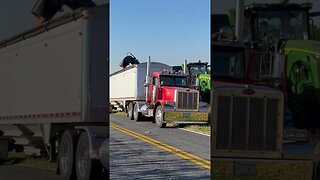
[178,152]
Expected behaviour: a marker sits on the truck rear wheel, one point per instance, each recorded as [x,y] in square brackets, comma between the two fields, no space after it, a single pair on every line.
[159,120]
[130,111]
[86,168]
[66,157]
[136,114]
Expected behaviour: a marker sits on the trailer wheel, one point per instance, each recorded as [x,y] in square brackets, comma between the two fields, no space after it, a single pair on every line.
[66,157]
[136,114]
[86,168]
[130,111]
[159,117]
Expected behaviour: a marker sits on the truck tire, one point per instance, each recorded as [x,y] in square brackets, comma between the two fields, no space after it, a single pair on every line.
[86,168]
[159,120]
[66,155]
[130,111]
[136,114]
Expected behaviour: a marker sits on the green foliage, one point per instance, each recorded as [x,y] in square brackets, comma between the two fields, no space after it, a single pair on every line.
[205,129]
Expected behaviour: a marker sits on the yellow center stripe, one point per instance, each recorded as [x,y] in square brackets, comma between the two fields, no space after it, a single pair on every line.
[178,152]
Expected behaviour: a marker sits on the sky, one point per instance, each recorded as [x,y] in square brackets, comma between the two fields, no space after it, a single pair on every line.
[169,31]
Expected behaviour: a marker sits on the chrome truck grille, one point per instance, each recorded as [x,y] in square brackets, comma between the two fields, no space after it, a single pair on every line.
[248,125]
[187,100]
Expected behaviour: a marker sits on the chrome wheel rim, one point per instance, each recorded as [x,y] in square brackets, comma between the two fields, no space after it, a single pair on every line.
[159,116]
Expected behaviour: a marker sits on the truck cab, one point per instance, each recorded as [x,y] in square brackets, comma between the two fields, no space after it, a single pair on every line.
[287,27]
[249,111]
[163,86]
[169,99]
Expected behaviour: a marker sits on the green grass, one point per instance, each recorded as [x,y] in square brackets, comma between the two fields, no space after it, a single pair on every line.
[21,159]
[265,171]
[118,112]
[205,129]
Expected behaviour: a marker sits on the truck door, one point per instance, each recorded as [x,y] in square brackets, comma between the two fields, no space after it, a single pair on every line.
[151,88]
[154,90]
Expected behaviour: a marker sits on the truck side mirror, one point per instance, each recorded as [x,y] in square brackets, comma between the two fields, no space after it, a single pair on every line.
[147,81]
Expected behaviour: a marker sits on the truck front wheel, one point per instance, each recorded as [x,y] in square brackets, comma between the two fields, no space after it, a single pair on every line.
[86,168]
[159,117]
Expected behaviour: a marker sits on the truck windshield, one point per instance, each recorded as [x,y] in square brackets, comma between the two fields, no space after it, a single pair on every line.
[166,80]
[288,24]
[196,69]
[228,63]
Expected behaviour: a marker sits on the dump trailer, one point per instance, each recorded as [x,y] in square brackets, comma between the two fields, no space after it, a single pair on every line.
[151,90]
[54,91]
[127,85]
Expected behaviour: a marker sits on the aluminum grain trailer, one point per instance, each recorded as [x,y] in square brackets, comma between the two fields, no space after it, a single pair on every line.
[127,85]
[54,91]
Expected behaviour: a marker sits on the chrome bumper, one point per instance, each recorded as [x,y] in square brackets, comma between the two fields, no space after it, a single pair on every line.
[185,116]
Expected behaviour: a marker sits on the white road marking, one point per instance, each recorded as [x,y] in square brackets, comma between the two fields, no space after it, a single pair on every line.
[195,132]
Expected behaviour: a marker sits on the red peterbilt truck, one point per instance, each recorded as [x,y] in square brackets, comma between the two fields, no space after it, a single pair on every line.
[167,96]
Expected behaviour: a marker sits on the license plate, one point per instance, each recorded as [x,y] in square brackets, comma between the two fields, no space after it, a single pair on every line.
[244,168]
[186,115]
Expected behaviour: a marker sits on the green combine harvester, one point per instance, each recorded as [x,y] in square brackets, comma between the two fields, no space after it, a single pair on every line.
[199,75]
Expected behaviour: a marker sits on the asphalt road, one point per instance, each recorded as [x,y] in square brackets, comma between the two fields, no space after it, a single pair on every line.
[13,172]
[132,158]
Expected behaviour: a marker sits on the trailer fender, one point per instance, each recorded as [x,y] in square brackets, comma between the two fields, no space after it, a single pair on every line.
[98,141]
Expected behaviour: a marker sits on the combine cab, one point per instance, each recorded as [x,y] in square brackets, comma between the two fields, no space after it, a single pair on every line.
[199,71]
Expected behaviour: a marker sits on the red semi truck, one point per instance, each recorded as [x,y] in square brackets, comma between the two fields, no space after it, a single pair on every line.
[164,95]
